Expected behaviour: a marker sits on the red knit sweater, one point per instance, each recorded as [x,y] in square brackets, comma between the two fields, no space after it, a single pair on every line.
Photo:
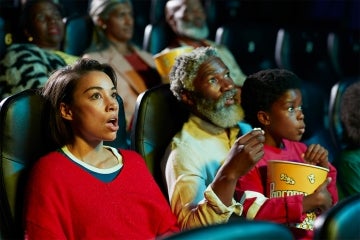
[66,202]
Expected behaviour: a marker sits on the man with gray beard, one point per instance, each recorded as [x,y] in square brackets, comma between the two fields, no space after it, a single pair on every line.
[207,156]
[187,19]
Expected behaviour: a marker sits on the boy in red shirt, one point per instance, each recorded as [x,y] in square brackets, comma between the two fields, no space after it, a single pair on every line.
[272,100]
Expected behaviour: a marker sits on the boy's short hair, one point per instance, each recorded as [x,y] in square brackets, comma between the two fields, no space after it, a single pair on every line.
[263,88]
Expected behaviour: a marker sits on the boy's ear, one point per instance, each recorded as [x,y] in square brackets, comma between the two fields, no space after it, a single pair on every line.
[65,111]
[263,118]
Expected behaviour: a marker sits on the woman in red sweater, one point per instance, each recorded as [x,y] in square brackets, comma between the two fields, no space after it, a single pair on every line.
[86,190]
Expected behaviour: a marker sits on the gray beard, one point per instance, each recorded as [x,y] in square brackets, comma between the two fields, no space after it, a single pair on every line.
[189,30]
[219,114]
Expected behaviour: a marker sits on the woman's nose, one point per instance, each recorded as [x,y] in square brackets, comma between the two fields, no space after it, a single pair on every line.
[113,104]
[129,19]
[51,19]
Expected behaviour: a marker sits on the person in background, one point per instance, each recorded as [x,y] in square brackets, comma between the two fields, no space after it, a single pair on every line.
[272,101]
[187,19]
[28,63]
[206,157]
[84,189]
[111,43]
[348,162]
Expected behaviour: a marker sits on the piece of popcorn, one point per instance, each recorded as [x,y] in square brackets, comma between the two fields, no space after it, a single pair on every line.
[259,129]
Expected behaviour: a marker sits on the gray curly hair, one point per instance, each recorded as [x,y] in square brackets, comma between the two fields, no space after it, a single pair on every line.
[186,67]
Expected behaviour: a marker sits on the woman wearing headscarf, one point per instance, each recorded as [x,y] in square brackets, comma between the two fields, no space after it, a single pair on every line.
[111,43]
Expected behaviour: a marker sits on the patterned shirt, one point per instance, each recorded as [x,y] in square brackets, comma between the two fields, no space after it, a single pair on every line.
[27,66]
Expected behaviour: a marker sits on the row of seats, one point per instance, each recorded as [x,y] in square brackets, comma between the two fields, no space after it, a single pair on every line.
[312,53]
[145,12]
[2,37]
[236,229]
[340,222]
[320,58]
[23,139]
[317,56]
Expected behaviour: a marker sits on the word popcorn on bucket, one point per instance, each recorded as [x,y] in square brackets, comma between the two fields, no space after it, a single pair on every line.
[286,178]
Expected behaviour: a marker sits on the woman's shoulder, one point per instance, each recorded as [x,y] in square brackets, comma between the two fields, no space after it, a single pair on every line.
[68,58]
[142,53]
[32,52]
[99,55]
[131,157]
[50,162]
[50,156]
[26,47]
[349,155]
[16,50]
[91,54]
[128,153]
[23,47]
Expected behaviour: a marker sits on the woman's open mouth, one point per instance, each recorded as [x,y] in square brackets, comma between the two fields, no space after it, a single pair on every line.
[112,124]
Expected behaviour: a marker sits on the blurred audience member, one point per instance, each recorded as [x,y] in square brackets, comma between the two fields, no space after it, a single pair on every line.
[348,163]
[29,64]
[111,43]
[187,19]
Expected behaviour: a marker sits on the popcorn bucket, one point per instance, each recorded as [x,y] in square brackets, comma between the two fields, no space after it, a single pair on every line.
[287,178]
[166,59]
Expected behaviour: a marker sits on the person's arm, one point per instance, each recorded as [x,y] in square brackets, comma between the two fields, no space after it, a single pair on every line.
[281,210]
[332,188]
[243,156]
[251,193]
[41,205]
[318,155]
[292,209]
[163,221]
[348,167]
[189,179]
[320,200]
[192,201]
